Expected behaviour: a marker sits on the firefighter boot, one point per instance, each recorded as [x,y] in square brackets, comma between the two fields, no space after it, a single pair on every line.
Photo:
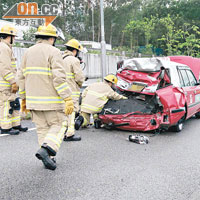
[72,138]
[79,121]
[43,155]
[9,131]
[20,128]
[53,159]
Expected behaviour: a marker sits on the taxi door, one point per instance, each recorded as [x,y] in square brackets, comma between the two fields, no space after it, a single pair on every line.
[191,90]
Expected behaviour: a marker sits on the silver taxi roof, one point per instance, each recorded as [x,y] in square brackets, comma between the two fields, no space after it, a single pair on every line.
[153,65]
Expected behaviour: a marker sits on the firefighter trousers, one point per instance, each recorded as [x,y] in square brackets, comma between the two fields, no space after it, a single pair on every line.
[7,120]
[86,117]
[51,126]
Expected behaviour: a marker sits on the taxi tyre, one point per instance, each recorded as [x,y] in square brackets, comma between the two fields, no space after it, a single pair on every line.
[197,115]
[97,124]
[179,126]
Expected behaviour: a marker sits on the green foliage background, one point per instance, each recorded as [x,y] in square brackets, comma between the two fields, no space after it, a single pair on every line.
[163,27]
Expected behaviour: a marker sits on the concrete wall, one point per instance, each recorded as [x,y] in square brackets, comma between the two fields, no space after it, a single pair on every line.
[92,62]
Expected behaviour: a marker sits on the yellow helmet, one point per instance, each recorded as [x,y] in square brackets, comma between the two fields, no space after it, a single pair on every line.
[49,30]
[8,30]
[74,44]
[111,78]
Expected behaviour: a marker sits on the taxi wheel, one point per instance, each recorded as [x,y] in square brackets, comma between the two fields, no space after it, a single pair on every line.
[179,126]
[97,124]
[197,115]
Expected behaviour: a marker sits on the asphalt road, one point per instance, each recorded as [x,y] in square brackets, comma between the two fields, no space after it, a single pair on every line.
[104,166]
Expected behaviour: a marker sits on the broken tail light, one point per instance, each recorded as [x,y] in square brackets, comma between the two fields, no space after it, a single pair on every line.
[150,89]
[123,84]
[134,86]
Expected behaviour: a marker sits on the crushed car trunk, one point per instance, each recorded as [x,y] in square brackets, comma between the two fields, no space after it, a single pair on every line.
[138,112]
[142,112]
[136,103]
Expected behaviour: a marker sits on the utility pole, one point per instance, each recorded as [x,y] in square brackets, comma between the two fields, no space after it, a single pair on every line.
[92,21]
[103,43]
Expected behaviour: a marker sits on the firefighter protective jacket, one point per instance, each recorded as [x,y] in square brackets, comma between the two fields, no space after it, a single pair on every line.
[7,70]
[74,73]
[42,79]
[95,97]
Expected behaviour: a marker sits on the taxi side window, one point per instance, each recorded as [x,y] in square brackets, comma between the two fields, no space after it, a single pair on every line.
[185,80]
[181,78]
[191,78]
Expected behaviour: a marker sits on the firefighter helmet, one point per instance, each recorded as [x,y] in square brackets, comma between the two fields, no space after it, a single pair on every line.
[111,78]
[74,44]
[8,30]
[49,30]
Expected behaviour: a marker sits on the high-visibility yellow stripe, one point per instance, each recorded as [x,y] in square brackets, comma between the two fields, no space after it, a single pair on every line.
[44,100]
[22,92]
[75,94]
[71,127]
[97,95]
[62,131]
[92,108]
[5,110]
[37,70]
[5,119]
[9,76]
[5,84]
[85,122]
[62,87]
[53,138]
[65,88]
[43,97]
[70,75]
[16,119]
[13,64]
[42,68]
[11,120]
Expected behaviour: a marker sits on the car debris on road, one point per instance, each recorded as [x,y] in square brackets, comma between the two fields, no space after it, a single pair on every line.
[139,139]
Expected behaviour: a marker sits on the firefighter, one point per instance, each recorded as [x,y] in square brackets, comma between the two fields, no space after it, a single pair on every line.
[75,79]
[9,103]
[94,97]
[44,91]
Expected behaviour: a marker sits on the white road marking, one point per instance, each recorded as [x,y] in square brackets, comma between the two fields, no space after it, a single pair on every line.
[3,135]
[31,129]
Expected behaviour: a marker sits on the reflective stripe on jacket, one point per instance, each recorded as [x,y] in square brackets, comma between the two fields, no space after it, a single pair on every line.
[7,74]
[42,79]
[74,73]
[96,95]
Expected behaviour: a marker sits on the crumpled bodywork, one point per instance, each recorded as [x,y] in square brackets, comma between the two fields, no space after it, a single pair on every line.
[161,110]
[153,102]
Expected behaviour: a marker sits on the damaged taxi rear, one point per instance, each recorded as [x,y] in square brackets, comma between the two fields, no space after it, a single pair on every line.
[161,94]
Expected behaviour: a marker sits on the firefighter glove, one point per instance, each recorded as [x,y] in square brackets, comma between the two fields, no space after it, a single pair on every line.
[23,106]
[14,88]
[69,106]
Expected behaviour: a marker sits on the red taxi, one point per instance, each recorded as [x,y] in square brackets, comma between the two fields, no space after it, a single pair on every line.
[161,94]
